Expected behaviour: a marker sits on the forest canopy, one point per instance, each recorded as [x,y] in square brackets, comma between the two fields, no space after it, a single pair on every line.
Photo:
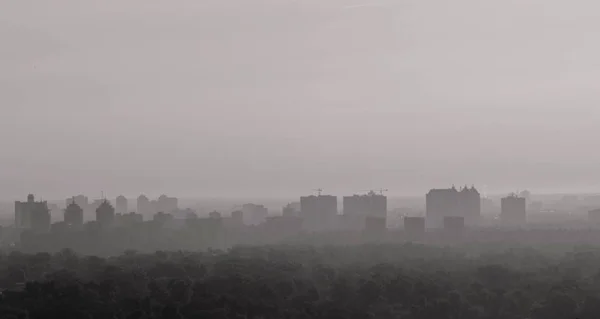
[302,281]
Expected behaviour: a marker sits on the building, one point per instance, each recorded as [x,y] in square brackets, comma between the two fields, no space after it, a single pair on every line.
[143,205]
[254,214]
[166,204]
[513,210]
[81,200]
[73,214]
[105,214]
[371,204]
[318,212]
[121,205]
[32,215]
[441,203]
[291,210]
[414,227]
[357,208]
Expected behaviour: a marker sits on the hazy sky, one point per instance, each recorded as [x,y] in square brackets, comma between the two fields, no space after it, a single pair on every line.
[260,97]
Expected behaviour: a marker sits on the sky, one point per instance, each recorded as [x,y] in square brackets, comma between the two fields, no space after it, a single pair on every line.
[280,97]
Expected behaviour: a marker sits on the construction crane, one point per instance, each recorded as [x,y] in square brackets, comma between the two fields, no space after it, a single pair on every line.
[318,190]
[380,191]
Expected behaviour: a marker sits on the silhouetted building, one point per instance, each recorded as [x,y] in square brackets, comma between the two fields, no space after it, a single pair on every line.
[238,216]
[451,202]
[414,227]
[291,210]
[254,214]
[166,204]
[513,210]
[318,212]
[32,215]
[214,214]
[371,204]
[121,205]
[73,214]
[594,216]
[81,200]
[143,206]
[105,214]
[358,207]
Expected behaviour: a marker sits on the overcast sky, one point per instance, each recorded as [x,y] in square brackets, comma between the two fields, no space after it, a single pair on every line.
[261,97]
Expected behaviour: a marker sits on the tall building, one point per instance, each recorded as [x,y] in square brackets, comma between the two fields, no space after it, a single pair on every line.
[166,204]
[32,215]
[73,214]
[121,205]
[359,207]
[371,205]
[513,210]
[254,214]
[81,200]
[318,212]
[143,205]
[451,202]
[105,214]
[291,209]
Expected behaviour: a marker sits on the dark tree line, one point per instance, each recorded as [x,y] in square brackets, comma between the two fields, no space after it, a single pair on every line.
[364,281]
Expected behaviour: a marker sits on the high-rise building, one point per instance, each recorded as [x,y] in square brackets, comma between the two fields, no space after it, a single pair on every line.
[73,215]
[166,204]
[81,200]
[105,214]
[357,208]
[513,210]
[32,215]
[451,202]
[143,205]
[121,205]
[291,209]
[254,214]
[371,205]
[318,212]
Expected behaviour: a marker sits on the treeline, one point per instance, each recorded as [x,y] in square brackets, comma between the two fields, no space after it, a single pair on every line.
[363,281]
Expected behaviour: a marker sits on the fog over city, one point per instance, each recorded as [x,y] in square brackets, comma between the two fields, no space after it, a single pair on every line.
[276,98]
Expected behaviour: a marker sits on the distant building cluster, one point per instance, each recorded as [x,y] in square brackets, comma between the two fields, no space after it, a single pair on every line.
[450,209]
[163,204]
